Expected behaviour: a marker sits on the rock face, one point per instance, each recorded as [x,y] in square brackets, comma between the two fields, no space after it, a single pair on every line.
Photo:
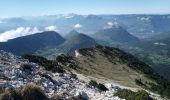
[15,72]
[82,95]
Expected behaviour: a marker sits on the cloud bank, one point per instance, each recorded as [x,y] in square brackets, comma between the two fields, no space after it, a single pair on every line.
[20,31]
[23,31]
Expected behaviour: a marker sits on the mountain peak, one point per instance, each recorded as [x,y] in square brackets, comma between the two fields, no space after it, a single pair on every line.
[116,34]
[71,34]
[73,31]
[81,37]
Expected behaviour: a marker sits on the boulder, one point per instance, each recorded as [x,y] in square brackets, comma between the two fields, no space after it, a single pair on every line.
[82,95]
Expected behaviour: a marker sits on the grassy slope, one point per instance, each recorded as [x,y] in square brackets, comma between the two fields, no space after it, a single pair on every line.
[98,65]
[125,69]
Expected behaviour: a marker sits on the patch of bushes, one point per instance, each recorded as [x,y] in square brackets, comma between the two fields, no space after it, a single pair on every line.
[33,92]
[130,95]
[66,61]
[99,86]
[63,58]
[162,88]
[93,83]
[139,82]
[47,64]
[28,92]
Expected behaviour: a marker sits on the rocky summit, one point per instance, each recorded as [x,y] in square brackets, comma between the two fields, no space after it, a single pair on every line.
[16,72]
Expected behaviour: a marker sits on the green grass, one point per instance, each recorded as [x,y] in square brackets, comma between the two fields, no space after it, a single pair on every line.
[126,70]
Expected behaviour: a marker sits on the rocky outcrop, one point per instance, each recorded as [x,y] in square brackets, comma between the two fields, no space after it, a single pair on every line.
[15,72]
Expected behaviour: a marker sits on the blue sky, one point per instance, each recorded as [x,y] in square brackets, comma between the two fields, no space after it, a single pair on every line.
[11,8]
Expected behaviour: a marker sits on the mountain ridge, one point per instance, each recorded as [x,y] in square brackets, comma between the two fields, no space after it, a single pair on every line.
[31,43]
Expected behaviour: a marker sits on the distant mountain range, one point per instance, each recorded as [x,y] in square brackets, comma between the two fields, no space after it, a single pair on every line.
[141,26]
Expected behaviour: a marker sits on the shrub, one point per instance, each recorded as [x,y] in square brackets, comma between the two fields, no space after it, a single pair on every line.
[99,86]
[33,92]
[47,64]
[93,83]
[130,95]
[62,58]
[28,92]
[139,82]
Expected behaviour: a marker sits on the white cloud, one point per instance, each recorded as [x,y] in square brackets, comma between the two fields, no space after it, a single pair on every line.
[77,26]
[51,28]
[110,23]
[20,31]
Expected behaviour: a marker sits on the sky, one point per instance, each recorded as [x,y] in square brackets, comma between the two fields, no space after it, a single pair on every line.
[15,8]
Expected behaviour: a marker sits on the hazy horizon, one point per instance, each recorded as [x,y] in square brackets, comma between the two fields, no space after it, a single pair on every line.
[18,8]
